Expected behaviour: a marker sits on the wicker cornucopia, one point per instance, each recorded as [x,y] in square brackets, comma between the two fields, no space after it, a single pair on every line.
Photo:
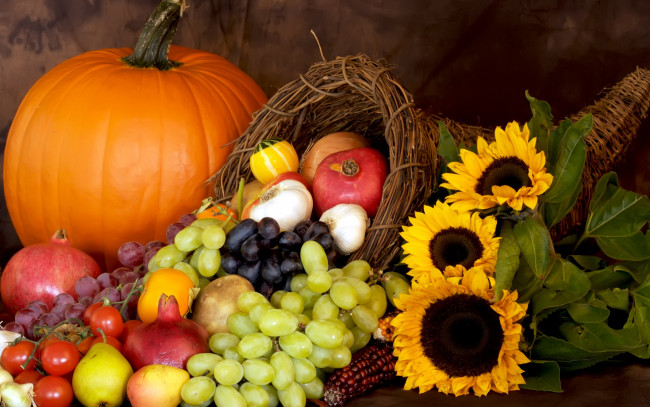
[358,94]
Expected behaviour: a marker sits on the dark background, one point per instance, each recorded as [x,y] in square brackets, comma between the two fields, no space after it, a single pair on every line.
[469,60]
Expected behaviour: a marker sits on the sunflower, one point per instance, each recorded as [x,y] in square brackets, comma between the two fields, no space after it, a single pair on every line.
[509,170]
[451,336]
[442,242]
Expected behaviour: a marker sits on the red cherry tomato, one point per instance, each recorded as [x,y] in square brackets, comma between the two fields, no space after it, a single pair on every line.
[129,326]
[60,358]
[53,391]
[85,344]
[14,356]
[109,320]
[47,342]
[28,376]
[111,340]
[89,312]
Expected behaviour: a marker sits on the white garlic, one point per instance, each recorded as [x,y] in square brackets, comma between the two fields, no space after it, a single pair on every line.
[347,224]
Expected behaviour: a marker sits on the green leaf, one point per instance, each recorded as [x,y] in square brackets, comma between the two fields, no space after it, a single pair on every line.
[610,277]
[555,212]
[447,148]
[565,284]
[525,282]
[640,313]
[541,122]
[594,311]
[507,260]
[615,298]
[535,242]
[554,142]
[599,337]
[638,269]
[588,262]
[634,247]
[542,375]
[568,354]
[567,171]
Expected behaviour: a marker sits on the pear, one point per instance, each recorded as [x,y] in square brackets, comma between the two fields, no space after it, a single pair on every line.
[156,385]
[100,378]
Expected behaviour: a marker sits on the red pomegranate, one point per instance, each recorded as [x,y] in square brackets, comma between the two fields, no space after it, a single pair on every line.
[44,270]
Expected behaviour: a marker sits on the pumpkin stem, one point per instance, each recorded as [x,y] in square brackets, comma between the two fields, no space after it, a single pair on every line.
[152,48]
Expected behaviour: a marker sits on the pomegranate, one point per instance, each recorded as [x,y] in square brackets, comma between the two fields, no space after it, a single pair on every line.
[169,340]
[44,270]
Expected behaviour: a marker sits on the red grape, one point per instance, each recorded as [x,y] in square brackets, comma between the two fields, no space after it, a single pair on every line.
[120,271]
[107,280]
[129,278]
[39,306]
[64,298]
[26,315]
[131,254]
[87,286]
[86,301]
[187,219]
[154,244]
[14,326]
[110,292]
[59,309]
[75,311]
[149,255]
[172,230]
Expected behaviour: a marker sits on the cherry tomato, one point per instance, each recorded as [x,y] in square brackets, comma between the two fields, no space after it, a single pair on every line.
[28,376]
[85,344]
[89,312]
[109,320]
[47,342]
[53,391]
[14,356]
[60,358]
[111,340]
[129,326]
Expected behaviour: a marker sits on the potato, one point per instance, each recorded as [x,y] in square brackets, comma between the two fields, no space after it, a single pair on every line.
[217,300]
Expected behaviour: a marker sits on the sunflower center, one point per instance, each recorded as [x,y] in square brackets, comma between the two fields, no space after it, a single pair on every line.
[511,171]
[455,246]
[462,335]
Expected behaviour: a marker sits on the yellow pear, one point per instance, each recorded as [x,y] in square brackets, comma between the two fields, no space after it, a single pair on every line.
[100,378]
[156,385]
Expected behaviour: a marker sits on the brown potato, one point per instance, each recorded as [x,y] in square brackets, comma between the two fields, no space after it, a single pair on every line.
[217,300]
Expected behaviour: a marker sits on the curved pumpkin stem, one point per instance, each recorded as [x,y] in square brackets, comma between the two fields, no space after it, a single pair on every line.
[152,48]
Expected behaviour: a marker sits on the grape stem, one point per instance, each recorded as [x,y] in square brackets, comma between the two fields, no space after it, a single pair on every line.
[46,331]
[125,301]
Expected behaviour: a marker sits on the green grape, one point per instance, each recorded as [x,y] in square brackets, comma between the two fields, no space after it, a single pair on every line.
[258,371]
[395,284]
[296,344]
[283,366]
[240,324]
[248,299]
[205,222]
[322,373]
[233,354]
[324,308]
[221,341]
[203,282]
[378,301]
[308,312]
[298,281]
[213,237]
[206,404]
[345,316]
[313,257]
[303,370]
[228,396]
[277,322]
[292,396]
[359,269]
[364,317]
[198,390]
[258,310]
[309,296]
[202,364]
[189,271]
[314,389]
[361,339]
[228,372]
[319,281]
[348,338]
[335,273]
[150,272]
[276,297]
[320,357]
[194,259]
[343,295]
[341,357]
[188,239]
[209,262]
[362,289]
[326,334]
[169,255]
[254,394]
[303,319]
[273,395]
[292,302]
[254,345]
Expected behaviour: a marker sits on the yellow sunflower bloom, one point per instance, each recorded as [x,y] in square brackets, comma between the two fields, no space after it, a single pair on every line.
[450,336]
[442,242]
[508,171]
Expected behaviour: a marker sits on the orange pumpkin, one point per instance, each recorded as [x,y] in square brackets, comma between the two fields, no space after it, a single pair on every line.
[116,149]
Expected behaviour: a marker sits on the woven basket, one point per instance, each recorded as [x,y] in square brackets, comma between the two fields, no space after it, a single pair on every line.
[358,94]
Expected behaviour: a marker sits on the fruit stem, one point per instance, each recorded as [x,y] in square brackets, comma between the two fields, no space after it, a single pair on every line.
[134,289]
[348,167]
[152,48]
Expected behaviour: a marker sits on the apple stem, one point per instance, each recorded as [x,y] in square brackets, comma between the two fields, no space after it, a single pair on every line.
[349,167]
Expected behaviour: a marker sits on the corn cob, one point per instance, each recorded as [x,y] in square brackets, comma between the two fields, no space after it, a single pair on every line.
[370,368]
[384,331]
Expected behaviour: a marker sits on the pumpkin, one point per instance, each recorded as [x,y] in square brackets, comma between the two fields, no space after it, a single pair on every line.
[271,158]
[329,144]
[114,145]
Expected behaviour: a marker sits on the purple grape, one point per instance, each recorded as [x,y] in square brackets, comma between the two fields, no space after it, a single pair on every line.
[131,254]
[154,244]
[126,289]
[29,329]
[15,327]
[149,255]
[26,315]
[107,280]
[120,271]
[75,311]
[60,309]
[64,298]
[129,278]
[187,219]
[49,319]
[39,306]
[110,292]
[172,230]
[87,286]
[86,301]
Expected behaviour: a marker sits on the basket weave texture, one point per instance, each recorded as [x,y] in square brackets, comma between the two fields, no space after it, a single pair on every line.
[357,94]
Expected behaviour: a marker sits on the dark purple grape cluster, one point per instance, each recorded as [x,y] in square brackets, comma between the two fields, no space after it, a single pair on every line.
[38,313]
[268,257]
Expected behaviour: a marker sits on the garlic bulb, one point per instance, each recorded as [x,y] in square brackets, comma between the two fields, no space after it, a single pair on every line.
[347,224]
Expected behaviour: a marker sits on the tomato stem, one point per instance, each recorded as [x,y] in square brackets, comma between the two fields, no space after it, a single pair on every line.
[152,48]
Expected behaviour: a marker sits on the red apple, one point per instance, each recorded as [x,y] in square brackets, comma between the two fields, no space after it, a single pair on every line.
[353,176]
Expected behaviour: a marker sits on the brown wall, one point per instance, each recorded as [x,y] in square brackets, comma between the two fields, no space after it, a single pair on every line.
[470,60]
